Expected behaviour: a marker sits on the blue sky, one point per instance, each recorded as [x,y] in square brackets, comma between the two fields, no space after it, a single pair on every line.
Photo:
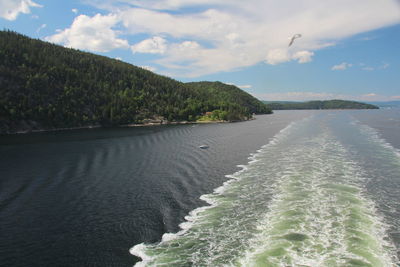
[349,49]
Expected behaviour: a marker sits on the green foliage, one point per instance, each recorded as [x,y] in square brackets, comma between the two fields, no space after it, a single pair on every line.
[328,104]
[229,98]
[215,115]
[46,86]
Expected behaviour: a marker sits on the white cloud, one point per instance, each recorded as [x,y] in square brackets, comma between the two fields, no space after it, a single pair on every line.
[91,33]
[368,68]
[245,86]
[384,66]
[188,59]
[228,35]
[41,28]
[276,56]
[237,34]
[342,66]
[155,45]
[10,9]
[370,95]
[303,56]
[74,10]
[172,4]
[150,68]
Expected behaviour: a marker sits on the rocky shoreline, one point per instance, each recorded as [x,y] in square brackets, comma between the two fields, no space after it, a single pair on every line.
[33,127]
[149,123]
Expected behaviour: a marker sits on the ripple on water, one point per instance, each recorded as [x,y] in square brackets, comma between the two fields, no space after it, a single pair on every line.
[298,201]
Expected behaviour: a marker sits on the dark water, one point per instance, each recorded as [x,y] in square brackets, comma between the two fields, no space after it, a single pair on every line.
[84,198]
[322,189]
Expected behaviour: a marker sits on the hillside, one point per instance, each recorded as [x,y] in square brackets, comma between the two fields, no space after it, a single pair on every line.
[46,86]
[327,104]
[239,101]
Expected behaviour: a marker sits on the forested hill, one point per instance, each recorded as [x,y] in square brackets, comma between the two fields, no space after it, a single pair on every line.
[327,104]
[46,86]
[231,94]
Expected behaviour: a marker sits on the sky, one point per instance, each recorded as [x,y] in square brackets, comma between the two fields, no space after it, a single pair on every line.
[348,49]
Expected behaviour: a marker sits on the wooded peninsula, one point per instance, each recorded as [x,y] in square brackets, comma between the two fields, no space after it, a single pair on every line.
[326,104]
[44,86]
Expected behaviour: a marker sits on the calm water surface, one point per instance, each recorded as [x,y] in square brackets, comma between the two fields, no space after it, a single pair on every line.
[321,188]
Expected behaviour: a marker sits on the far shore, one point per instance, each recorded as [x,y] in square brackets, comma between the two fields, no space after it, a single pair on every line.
[169,123]
[121,126]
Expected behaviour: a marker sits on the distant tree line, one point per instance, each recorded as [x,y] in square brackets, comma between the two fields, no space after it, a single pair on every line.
[46,86]
[327,104]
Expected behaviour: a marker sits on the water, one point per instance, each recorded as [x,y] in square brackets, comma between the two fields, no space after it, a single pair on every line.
[308,198]
[320,188]
[84,198]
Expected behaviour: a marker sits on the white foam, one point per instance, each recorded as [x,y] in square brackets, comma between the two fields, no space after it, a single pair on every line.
[139,251]
[375,135]
[168,237]
[211,199]
[377,231]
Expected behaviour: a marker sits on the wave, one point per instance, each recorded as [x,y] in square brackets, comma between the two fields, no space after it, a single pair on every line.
[139,250]
[376,137]
[299,200]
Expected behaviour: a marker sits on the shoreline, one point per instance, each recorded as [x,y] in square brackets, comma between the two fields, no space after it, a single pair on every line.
[116,126]
[168,123]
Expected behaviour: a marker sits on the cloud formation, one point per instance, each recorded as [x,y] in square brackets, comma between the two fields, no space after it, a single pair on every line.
[384,66]
[368,68]
[219,35]
[243,33]
[342,66]
[303,56]
[245,86]
[370,95]
[91,33]
[41,27]
[155,45]
[150,68]
[10,9]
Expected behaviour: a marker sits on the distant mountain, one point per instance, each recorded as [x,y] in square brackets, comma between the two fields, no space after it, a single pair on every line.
[386,104]
[46,86]
[327,104]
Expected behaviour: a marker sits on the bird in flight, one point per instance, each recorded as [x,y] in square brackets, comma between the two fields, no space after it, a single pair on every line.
[297,35]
